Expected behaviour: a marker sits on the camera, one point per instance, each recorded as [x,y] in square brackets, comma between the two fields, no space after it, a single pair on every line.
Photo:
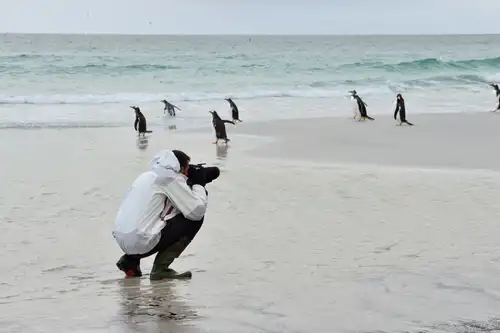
[199,171]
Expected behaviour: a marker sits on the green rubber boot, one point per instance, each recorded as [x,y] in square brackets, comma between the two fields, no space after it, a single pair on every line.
[164,259]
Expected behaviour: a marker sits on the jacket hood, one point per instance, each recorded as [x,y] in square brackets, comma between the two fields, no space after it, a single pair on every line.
[165,161]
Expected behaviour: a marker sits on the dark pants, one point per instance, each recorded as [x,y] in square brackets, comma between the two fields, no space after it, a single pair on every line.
[177,229]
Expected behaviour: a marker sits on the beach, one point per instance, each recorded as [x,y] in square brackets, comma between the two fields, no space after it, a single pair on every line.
[437,141]
[315,225]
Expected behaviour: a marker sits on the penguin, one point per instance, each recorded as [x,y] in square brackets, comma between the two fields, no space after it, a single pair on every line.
[496,88]
[354,105]
[234,110]
[170,108]
[401,108]
[140,124]
[361,106]
[497,93]
[219,125]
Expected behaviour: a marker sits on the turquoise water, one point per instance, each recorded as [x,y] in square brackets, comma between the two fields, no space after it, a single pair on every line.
[65,80]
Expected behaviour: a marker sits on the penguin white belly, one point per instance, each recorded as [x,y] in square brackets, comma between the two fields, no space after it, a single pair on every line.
[355,109]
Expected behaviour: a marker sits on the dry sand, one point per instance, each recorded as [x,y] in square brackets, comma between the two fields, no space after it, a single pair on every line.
[317,239]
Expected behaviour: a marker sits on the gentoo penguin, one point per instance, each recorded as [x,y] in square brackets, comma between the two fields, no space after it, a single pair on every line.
[497,89]
[219,125]
[361,106]
[354,105]
[140,124]
[497,93]
[235,113]
[170,108]
[401,108]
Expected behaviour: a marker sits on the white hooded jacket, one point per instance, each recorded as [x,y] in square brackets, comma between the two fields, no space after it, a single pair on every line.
[155,197]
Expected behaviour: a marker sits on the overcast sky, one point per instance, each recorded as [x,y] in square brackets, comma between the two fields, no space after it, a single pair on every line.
[251,16]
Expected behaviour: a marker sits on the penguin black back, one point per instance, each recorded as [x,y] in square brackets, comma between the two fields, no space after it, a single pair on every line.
[400,102]
[497,93]
[361,106]
[219,125]
[169,107]
[215,118]
[401,109]
[497,89]
[140,124]
[235,113]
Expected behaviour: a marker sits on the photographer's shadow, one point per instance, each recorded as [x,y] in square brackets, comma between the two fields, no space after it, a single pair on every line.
[221,151]
[153,307]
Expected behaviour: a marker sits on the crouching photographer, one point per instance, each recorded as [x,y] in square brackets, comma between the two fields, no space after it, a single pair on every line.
[161,214]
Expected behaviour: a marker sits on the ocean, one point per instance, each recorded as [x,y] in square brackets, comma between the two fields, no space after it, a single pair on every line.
[90,80]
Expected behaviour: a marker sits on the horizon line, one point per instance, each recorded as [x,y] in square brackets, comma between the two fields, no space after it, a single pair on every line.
[246,34]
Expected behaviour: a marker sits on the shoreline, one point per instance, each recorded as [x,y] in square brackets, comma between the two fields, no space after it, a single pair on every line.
[156,127]
[254,108]
[346,116]
[446,141]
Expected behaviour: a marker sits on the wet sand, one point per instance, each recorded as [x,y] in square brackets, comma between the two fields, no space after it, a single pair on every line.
[302,235]
[449,141]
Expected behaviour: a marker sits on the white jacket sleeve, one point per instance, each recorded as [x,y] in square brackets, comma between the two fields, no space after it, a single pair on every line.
[191,202]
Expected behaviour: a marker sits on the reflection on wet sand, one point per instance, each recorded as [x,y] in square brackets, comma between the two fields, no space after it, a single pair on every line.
[153,307]
[222,151]
[169,123]
[142,143]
